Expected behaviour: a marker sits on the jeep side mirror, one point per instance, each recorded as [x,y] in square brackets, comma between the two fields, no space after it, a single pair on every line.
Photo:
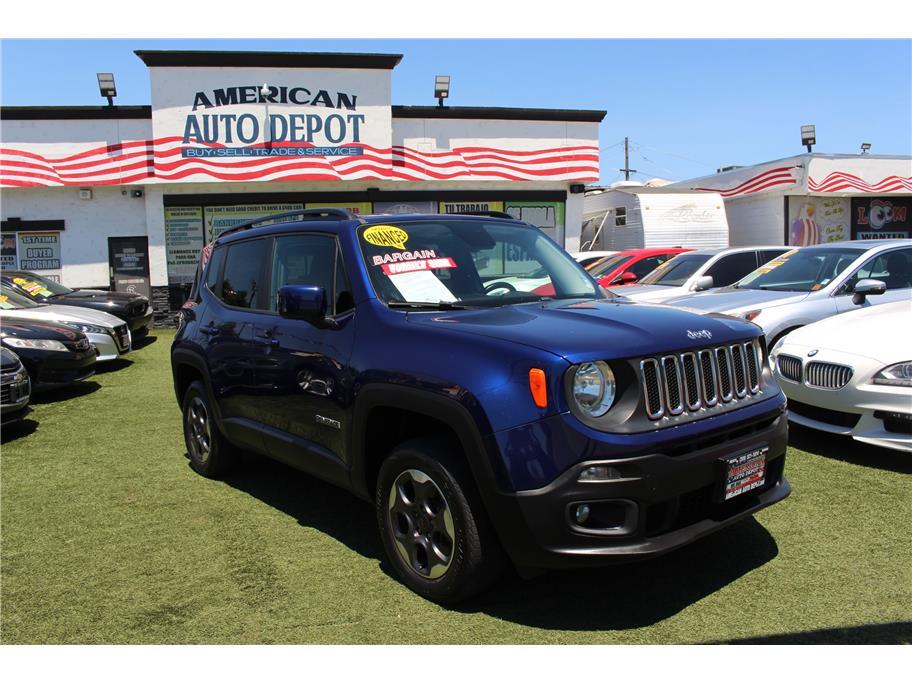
[300,302]
[867,287]
[702,283]
[625,278]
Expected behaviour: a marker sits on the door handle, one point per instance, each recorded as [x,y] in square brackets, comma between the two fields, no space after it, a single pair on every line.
[209,330]
[266,338]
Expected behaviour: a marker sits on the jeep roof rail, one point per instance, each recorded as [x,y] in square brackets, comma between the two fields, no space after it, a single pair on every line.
[329,213]
[488,214]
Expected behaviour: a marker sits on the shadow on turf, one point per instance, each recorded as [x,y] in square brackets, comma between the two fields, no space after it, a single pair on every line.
[880,633]
[112,366]
[57,395]
[147,340]
[312,502]
[845,449]
[619,597]
[11,432]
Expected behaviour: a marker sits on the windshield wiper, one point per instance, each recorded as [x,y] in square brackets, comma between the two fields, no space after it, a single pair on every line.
[428,305]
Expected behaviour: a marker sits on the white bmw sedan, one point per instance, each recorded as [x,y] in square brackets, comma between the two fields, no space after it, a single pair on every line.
[852,374]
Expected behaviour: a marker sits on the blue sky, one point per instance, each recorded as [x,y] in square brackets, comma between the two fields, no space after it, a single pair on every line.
[688,106]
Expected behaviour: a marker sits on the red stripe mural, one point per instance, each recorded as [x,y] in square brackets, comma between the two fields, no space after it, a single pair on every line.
[834,182]
[839,181]
[162,160]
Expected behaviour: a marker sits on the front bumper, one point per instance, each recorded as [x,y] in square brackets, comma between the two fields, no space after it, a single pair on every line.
[669,500]
[15,391]
[141,324]
[107,347]
[869,413]
[52,371]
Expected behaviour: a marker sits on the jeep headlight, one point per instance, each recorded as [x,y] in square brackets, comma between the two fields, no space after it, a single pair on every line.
[899,374]
[593,388]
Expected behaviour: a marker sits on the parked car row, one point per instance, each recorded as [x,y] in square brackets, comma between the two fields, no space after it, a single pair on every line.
[57,336]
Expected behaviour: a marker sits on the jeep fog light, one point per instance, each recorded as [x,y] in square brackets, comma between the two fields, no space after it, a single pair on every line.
[581,514]
[593,388]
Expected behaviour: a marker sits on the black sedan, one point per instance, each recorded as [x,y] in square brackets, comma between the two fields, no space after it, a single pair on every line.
[133,309]
[15,388]
[54,355]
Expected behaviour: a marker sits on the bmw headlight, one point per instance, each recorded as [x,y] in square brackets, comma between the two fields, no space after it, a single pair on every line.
[593,388]
[88,328]
[35,344]
[899,374]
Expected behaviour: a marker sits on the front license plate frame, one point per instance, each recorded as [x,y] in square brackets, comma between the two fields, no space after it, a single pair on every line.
[742,473]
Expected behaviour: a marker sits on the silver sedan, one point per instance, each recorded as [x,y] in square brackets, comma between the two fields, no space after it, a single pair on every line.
[811,283]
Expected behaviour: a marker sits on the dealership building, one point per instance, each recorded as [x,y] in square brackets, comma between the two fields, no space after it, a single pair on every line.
[127,196]
[813,198]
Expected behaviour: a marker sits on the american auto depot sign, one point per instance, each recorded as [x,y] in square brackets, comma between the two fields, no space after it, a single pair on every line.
[251,123]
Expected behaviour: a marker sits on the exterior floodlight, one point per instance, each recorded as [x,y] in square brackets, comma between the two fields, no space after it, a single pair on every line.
[865,147]
[441,89]
[808,136]
[106,86]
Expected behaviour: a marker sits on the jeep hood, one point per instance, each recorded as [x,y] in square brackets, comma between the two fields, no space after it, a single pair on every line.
[590,330]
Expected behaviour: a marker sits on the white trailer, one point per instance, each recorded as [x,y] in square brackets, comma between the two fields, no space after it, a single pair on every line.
[637,217]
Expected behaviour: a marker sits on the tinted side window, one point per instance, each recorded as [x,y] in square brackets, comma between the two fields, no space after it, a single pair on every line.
[729,269]
[647,265]
[213,270]
[766,255]
[307,259]
[893,268]
[242,281]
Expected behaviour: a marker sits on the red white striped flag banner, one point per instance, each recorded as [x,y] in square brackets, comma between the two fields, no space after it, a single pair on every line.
[161,160]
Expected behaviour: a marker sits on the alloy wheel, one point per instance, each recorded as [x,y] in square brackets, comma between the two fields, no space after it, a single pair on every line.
[200,439]
[421,524]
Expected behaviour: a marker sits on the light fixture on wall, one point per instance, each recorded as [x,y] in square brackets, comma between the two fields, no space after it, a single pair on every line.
[441,89]
[106,87]
[865,147]
[808,136]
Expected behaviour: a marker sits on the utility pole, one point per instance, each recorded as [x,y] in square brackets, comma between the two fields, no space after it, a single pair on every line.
[627,170]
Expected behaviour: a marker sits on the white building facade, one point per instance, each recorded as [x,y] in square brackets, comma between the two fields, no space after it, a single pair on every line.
[814,198]
[126,196]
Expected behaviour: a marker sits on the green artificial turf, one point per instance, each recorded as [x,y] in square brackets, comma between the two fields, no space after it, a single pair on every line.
[109,537]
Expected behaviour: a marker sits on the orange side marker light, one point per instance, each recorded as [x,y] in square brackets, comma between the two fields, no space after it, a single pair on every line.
[538,386]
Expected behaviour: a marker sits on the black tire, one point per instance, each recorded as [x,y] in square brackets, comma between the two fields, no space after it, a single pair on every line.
[476,558]
[220,456]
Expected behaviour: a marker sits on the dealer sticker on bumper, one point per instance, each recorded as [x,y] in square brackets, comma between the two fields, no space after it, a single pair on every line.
[744,472]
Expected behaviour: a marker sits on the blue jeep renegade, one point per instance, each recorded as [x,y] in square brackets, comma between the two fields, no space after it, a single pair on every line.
[406,359]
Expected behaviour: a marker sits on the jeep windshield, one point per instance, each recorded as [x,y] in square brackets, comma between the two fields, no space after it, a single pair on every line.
[467,263]
[800,270]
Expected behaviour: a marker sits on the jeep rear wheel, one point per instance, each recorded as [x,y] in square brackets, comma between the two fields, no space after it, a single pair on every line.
[432,523]
[210,454]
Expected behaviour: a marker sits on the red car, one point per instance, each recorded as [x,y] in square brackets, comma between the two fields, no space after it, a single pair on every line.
[624,267]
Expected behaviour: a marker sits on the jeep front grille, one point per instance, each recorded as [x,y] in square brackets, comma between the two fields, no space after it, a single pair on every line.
[827,375]
[694,380]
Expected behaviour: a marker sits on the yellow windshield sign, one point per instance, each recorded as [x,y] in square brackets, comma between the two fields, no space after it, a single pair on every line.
[386,235]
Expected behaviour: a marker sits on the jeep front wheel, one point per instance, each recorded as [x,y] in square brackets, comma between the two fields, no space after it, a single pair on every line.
[434,529]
